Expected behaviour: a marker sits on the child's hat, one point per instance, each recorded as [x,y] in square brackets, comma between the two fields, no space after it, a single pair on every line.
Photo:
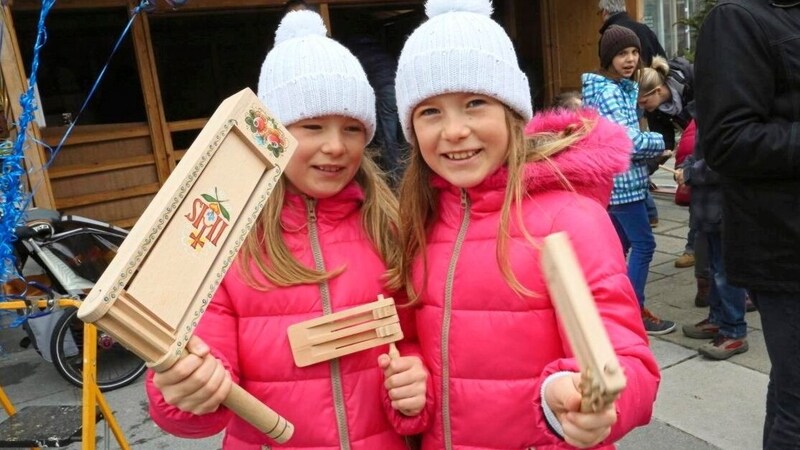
[307,74]
[614,40]
[459,49]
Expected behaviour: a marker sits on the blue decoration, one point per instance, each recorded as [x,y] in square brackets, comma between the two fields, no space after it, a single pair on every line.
[13,199]
[13,202]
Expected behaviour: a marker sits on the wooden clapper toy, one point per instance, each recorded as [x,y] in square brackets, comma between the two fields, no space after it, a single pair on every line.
[165,273]
[346,332]
[601,375]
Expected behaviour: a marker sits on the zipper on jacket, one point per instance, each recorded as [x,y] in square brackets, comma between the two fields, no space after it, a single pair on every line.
[336,373]
[448,309]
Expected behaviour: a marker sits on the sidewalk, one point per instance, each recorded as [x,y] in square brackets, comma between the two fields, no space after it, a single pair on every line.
[701,404]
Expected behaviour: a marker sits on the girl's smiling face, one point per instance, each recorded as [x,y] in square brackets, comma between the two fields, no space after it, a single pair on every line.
[463,137]
[328,154]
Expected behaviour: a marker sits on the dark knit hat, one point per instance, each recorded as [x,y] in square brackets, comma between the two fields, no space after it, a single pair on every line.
[614,40]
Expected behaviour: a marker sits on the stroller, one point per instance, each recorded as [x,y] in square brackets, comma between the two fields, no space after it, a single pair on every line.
[63,256]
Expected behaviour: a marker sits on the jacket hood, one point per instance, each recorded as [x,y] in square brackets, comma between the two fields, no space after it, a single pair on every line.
[588,165]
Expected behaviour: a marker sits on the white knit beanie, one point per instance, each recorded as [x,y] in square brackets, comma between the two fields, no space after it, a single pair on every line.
[307,75]
[459,49]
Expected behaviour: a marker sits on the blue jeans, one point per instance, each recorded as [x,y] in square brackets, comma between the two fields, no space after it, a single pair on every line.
[725,301]
[650,203]
[780,320]
[701,264]
[690,237]
[636,236]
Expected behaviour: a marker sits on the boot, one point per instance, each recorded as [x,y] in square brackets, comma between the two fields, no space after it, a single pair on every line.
[701,298]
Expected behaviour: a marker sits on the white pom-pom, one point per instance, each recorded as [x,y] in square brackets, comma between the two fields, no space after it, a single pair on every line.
[436,7]
[298,24]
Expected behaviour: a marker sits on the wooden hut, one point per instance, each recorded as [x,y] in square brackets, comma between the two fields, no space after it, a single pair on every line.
[176,65]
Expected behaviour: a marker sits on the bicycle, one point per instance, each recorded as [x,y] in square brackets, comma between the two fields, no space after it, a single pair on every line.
[70,252]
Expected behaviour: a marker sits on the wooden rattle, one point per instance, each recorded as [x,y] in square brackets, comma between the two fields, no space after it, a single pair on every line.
[154,292]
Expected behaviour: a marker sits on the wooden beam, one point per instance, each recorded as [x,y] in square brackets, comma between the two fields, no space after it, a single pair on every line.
[326,17]
[550,51]
[186,125]
[16,83]
[146,62]
[28,5]
[86,134]
[100,197]
[163,7]
[97,167]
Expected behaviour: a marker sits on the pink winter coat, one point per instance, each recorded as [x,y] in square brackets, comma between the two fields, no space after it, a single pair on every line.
[489,349]
[336,404]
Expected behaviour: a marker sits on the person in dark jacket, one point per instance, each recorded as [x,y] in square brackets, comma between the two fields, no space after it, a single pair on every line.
[614,12]
[667,96]
[725,324]
[748,90]
[380,67]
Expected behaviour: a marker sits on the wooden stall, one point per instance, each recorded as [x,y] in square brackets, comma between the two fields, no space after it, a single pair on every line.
[176,65]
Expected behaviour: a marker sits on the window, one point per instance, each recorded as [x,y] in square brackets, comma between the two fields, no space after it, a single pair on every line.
[662,17]
[77,48]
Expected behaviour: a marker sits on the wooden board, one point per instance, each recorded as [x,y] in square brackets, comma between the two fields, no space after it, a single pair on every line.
[154,292]
[602,377]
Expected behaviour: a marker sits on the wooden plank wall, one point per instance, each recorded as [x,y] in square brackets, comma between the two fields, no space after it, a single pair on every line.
[570,35]
[111,172]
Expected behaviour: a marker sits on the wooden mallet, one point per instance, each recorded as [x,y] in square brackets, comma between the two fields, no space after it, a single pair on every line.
[602,379]
[165,273]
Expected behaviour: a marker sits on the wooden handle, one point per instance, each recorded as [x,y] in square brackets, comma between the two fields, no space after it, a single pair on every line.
[257,414]
[672,171]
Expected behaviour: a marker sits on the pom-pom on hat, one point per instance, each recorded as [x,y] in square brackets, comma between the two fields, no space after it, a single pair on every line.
[459,49]
[307,74]
[614,40]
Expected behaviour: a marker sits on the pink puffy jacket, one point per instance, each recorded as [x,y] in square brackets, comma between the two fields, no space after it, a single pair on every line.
[489,349]
[336,404]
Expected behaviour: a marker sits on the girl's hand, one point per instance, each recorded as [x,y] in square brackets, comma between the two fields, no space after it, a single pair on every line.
[679,176]
[581,430]
[197,383]
[406,380]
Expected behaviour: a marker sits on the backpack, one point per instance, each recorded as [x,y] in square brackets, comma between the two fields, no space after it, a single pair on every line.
[682,71]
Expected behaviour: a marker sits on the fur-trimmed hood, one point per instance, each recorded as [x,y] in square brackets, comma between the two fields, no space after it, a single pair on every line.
[589,164]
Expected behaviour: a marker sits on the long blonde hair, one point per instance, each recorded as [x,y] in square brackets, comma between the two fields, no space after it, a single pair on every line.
[655,75]
[419,208]
[266,248]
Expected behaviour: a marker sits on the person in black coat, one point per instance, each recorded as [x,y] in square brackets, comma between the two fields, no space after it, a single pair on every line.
[747,79]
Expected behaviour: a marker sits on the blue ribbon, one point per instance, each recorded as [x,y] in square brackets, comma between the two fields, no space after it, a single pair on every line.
[14,201]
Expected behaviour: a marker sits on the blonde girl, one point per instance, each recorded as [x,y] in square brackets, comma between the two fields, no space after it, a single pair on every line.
[475,203]
[323,244]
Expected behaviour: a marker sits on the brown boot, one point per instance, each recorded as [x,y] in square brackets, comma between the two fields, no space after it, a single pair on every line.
[701,299]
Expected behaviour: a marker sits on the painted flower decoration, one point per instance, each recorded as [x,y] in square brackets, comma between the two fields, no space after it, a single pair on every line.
[266,131]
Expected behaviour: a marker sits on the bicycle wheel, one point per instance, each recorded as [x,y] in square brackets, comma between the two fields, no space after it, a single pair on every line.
[116,365]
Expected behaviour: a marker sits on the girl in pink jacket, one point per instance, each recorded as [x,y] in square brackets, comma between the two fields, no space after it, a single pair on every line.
[323,244]
[475,203]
